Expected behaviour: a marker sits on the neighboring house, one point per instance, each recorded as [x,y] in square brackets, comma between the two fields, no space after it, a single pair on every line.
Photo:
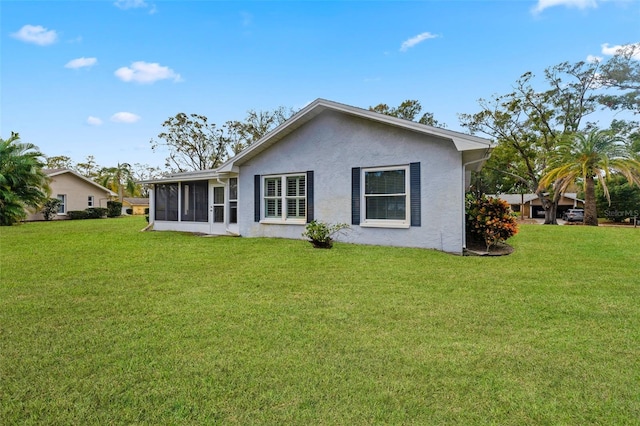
[138,205]
[396,182]
[75,192]
[531,206]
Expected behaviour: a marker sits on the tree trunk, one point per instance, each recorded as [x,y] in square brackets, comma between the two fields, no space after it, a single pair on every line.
[551,213]
[550,209]
[590,211]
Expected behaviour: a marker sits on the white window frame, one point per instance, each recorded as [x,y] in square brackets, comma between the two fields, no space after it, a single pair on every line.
[90,201]
[62,209]
[232,202]
[385,223]
[283,197]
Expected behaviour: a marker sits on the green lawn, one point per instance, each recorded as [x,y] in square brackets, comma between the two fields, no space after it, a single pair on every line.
[102,324]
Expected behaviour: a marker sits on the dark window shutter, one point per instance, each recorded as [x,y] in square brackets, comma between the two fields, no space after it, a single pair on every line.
[310,216]
[414,184]
[355,196]
[256,198]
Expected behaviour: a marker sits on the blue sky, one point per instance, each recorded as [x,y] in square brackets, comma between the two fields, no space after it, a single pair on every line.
[98,78]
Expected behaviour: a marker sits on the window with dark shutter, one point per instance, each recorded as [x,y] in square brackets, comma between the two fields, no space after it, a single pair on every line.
[386,197]
[284,198]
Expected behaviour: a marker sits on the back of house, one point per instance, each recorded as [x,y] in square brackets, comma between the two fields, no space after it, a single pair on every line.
[396,182]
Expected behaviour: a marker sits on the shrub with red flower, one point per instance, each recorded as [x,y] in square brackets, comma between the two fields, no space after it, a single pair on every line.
[489,220]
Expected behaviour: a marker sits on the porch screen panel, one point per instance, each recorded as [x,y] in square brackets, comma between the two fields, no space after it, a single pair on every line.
[201,201]
[195,201]
[166,201]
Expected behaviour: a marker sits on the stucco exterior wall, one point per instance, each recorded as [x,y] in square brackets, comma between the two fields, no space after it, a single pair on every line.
[332,144]
[77,192]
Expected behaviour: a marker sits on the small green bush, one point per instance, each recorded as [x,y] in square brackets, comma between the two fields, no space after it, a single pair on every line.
[146,211]
[320,234]
[50,208]
[114,209]
[77,214]
[96,212]
[129,211]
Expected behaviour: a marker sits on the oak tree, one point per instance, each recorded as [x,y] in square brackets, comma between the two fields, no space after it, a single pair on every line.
[528,124]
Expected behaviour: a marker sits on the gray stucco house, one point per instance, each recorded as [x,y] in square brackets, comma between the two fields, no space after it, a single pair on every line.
[396,182]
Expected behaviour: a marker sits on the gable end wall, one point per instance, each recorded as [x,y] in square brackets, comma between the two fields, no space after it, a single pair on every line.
[333,144]
[77,192]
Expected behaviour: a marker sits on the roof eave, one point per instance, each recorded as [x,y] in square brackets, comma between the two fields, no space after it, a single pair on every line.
[185,177]
[461,141]
[78,175]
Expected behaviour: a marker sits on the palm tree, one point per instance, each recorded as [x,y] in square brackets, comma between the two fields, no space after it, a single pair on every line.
[592,156]
[23,184]
[118,179]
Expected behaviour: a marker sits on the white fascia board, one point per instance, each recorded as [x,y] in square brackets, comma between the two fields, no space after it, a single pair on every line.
[270,138]
[185,177]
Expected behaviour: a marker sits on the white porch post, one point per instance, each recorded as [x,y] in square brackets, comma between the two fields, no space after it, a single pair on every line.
[152,204]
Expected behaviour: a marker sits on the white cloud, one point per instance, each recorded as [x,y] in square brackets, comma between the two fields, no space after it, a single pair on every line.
[415,40]
[612,50]
[94,121]
[81,63]
[146,73]
[36,34]
[130,4]
[592,59]
[135,4]
[580,4]
[125,117]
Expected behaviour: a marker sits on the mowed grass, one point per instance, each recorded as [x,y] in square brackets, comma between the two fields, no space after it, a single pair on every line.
[103,324]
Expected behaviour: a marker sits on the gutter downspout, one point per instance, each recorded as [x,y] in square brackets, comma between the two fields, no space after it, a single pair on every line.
[464,190]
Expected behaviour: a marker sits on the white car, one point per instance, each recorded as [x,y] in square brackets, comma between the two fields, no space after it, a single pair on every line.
[574,215]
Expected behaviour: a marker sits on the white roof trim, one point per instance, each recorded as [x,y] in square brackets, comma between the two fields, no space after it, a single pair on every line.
[78,175]
[462,142]
[186,176]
